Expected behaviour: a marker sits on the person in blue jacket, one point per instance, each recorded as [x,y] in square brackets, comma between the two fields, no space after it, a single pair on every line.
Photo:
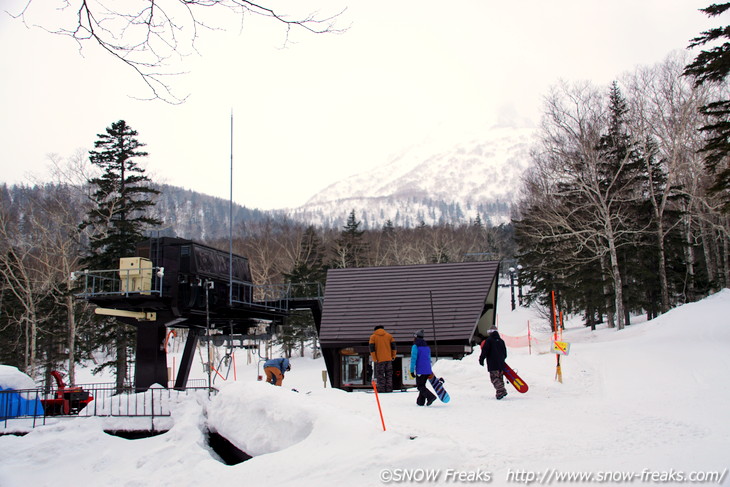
[275,368]
[421,368]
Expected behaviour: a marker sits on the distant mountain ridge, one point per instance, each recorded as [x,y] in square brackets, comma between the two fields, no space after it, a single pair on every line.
[426,184]
[430,184]
[184,213]
[189,214]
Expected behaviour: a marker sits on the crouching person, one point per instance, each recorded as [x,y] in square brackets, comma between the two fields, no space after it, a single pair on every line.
[274,369]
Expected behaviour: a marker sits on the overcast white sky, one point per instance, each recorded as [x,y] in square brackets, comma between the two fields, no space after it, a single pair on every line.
[327,106]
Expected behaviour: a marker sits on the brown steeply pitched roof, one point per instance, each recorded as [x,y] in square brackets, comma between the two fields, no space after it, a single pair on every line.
[399,298]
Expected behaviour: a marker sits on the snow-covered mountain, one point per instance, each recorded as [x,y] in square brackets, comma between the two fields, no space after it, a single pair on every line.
[431,183]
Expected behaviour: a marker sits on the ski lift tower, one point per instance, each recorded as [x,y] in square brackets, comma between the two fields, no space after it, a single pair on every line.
[178,283]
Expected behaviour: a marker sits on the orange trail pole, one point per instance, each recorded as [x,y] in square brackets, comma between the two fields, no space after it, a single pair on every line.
[529,338]
[234,366]
[380,410]
[558,372]
[553,318]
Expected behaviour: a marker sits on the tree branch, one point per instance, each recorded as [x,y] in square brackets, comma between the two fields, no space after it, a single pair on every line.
[146,36]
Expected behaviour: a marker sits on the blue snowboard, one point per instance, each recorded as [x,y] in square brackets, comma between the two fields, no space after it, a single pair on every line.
[438,386]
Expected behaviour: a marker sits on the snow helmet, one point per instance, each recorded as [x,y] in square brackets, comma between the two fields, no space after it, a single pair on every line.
[419,334]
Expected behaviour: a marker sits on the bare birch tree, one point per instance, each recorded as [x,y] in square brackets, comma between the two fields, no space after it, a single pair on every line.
[22,271]
[63,241]
[588,198]
[664,108]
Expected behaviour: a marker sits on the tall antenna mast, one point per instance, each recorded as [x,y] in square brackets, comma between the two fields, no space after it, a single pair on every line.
[230,226]
[433,324]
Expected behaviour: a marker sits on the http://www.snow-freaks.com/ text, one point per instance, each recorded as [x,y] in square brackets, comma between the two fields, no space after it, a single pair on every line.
[549,476]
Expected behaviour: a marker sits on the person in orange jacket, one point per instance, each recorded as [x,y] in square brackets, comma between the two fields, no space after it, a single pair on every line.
[382,353]
[274,369]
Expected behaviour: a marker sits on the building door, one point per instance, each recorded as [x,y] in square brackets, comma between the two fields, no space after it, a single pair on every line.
[353,370]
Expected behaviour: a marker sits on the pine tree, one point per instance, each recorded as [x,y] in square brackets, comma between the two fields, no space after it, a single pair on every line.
[713,66]
[577,220]
[658,214]
[350,249]
[11,330]
[620,176]
[309,272]
[307,279]
[122,197]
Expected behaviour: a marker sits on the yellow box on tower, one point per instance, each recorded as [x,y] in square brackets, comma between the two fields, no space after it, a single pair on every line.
[135,274]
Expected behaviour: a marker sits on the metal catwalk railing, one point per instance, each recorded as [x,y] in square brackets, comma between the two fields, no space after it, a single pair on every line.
[119,282]
[126,283]
[36,406]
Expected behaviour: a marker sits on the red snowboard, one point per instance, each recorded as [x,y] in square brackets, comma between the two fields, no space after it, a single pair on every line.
[515,379]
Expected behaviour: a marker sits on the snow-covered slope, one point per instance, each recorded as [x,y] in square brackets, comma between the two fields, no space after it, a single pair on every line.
[650,400]
[431,182]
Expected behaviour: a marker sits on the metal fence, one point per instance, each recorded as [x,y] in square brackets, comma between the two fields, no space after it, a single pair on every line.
[148,281]
[35,406]
[120,282]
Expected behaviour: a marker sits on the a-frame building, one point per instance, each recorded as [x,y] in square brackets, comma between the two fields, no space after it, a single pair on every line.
[454,303]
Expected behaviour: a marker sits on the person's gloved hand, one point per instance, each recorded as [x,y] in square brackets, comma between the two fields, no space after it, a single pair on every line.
[412,376]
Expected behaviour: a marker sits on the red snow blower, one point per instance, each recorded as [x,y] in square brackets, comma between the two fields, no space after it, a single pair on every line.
[66,400]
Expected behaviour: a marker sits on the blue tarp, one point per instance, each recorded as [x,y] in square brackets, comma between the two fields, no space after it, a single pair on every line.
[19,403]
[18,394]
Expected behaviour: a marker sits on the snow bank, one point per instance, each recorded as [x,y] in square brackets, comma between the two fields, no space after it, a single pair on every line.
[650,397]
[12,378]
[260,418]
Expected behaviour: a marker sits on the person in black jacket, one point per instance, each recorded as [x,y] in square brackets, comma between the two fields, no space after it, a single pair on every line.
[495,353]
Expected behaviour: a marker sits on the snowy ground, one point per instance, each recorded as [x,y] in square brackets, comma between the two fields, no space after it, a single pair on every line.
[650,401]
